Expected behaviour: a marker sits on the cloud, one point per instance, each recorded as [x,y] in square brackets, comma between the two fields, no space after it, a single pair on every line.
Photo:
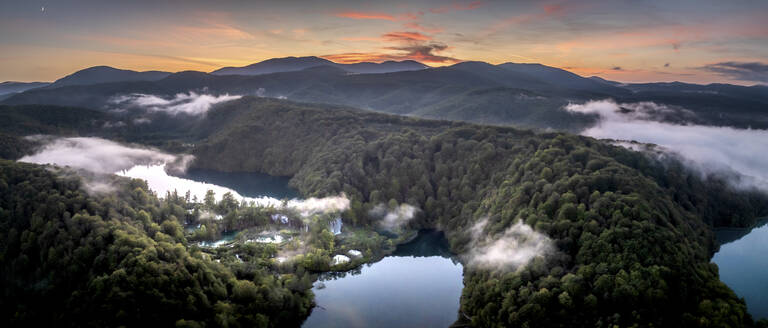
[418,51]
[103,156]
[95,155]
[723,151]
[393,218]
[366,15]
[512,250]
[743,71]
[424,52]
[183,103]
[405,37]
[311,206]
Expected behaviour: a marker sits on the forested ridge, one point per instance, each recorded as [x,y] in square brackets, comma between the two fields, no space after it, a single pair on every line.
[120,259]
[633,234]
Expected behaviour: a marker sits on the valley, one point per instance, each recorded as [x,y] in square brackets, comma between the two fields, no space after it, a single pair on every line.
[590,223]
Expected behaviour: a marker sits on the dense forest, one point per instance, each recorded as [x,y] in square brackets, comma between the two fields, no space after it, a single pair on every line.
[70,259]
[633,234]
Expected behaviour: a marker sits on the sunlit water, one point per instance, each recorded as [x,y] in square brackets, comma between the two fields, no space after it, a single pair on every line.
[248,184]
[744,267]
[418,286]
[161,183]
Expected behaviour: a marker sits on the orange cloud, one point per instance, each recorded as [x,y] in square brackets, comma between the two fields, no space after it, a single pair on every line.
[366,15]
[405,36]
[357,57]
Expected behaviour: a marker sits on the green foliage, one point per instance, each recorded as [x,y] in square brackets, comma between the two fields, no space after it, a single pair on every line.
[119,260]
[633,235]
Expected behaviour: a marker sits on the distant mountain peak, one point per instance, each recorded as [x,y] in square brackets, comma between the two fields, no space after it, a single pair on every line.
[106,74]
[292,64]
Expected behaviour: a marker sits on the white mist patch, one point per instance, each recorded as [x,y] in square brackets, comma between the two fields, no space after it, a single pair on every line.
[311,206]
[108,157]
[393,218]
[517,246]
[95,155]
[183,103]
[707,149]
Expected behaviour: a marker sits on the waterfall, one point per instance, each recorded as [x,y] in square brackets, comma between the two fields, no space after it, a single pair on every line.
[279,218]
[335,226]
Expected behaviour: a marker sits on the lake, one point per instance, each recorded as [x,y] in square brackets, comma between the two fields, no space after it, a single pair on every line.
[419,285]
[257,187]
[248,184]
[744,265]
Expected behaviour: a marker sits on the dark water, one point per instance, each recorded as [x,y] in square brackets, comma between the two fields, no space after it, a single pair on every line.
[225,238]
[743,265]
[248,184]
[418,286]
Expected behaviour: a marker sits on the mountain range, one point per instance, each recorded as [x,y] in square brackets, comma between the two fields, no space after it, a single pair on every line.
[291,64]
[527,95]
[11,87]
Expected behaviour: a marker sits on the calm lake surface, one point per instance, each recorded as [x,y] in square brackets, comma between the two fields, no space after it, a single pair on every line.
[417,286]
[744,266]
[245,183]
[261,188]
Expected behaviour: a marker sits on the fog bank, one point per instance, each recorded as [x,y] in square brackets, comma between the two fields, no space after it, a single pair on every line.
[707,149]
[108,157]
[183,103]
[393,218]
[511,250]
[95,155]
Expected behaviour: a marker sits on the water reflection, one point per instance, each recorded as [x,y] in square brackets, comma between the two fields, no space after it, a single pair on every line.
[743,266]
[418,286]
[248,184]
[161,183]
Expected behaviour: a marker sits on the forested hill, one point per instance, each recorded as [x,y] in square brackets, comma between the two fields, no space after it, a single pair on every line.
[633,235]
[524,95]
[70,259]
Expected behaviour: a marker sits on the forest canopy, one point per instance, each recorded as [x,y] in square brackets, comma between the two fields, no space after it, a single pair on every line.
[632,235]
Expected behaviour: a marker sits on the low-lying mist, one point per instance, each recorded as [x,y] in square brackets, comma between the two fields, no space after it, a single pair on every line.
[108,157]
[393,218]
[191,103]
[511,250]
[95,154]
[706,149]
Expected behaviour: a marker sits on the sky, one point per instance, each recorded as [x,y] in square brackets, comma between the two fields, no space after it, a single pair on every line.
[700,41]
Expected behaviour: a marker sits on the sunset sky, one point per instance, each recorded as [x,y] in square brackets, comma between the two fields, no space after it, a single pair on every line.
[693,41]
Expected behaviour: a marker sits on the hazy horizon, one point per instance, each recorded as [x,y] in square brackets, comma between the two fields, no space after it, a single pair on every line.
[648,41]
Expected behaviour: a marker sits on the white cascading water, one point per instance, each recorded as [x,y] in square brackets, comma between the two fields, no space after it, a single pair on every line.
[335,226]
